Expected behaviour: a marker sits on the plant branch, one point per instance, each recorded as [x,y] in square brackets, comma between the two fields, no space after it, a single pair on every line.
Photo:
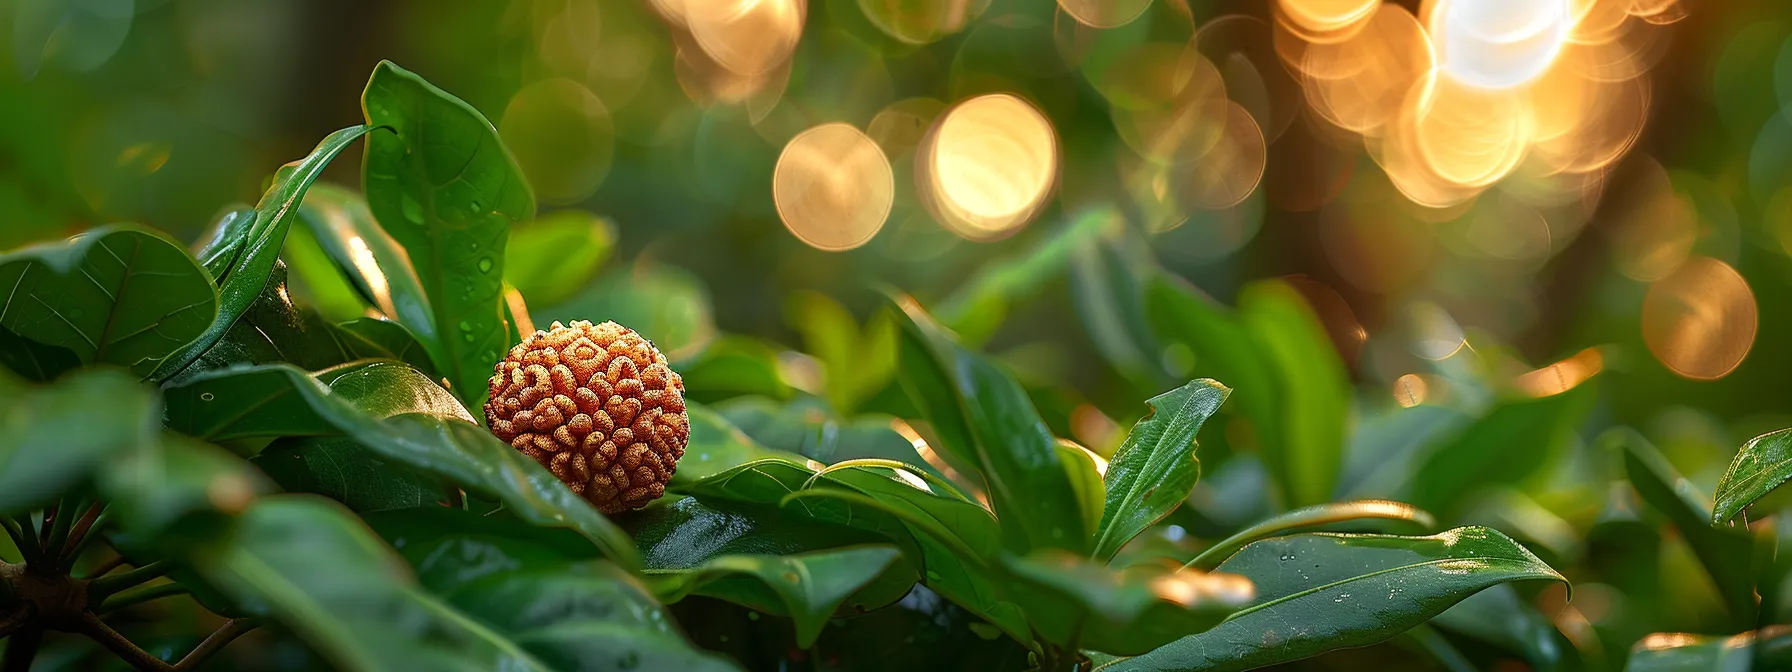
[105,586]
[21,649]
[83,533]
[17,619]
[137,596]
[98,631]
[215,642]
[107,566]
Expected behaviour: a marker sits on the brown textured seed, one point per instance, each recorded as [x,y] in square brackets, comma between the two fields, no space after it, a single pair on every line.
[598,406]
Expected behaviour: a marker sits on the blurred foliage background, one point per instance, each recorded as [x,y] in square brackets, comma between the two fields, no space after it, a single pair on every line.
[1618,206]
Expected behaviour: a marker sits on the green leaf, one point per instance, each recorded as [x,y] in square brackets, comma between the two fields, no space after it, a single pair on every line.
[445,188]
[1073,601]
[324,575]
[665,304]
[242,281]
[1291,382]
[52,437]
[161,482]
[275,330]
[685,533]
[316,279]
[806,428]
[1155,469]
[373,263]
[1769,648]
[1727,553]
[807,586]
[1309,518]
[975,310]
[858,363]
[426,430]
[539,587]
[1320,592]
[951,540]
[1504,447]
[986,419]
[1107,288]
[342,469]
[1314,389]
[583,616]
[1499,616]
[374,338]
[1084,469]
[716,446]
[550,259]
[735,366]
[34,361]
[220,247]
[1764,463]
[114,295]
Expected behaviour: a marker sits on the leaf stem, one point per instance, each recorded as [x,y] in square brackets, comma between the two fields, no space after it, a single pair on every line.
[26,543]
[17,619]
[114,563]
[83,534]
[98,631]
[60,525]
[137,596]
[105,586]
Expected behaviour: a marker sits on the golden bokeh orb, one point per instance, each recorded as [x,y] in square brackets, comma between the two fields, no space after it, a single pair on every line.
[1700,321]
[987,166]
[833,187]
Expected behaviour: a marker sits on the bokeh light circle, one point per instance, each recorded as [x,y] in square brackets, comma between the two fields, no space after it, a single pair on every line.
[1700,321]
[833,187]
[1499,44]
[748,37]
[987,166]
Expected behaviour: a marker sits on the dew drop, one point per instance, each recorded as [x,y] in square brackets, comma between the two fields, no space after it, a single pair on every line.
[464,326]
[206,396]
[485,265]
[1341,597]
[474,206]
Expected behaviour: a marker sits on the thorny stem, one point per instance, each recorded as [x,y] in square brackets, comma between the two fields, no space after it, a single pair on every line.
[107,585]
[137,596]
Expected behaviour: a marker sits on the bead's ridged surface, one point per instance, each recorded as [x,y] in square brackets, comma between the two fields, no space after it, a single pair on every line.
[598,406]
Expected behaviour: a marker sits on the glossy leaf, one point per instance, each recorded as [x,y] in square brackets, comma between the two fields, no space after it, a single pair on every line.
[242,282]
[115,295]
[1225,344]
[426,430]
[952,541]
[316,280]
[583,616]
[1070,599]
[1084,468]
[445,188]
[553,257]
[716,446]
[1769,648]
[342,469]
[987,420]
[218,249]
[374,338]
[1508,445]
[1309,518]
[1764,463]
[52,437]
[683,533]
[325,576]
[274,330]
[1155,469]
[1499,616]
[808,586]
[734,367]
[34,361]
[1727,553]
[1314,389]
[373,263]
[805,427]
[1320,592]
